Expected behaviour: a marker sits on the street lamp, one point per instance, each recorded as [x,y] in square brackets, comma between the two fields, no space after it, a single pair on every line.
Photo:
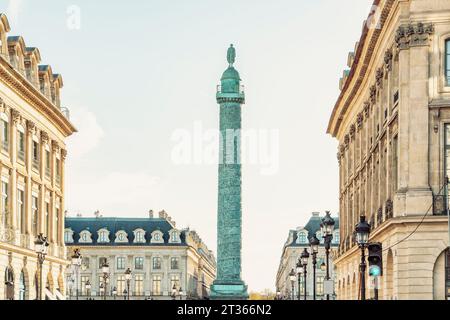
[102,290]
[314,243]
[299,270]
[76,263]
[88,288]
[327,228]
[304,259]
[362,231]
[125,294]
[292,278]
[128,277]
[114,293]
[105,270]
[41,247]
[181,293]
[174,292]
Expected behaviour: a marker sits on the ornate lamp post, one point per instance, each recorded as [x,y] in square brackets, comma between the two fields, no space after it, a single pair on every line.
[362,230]
[128,277]
[304,258]
[76,263]
[41,247]
[327,228]
[105,270]
[314,243]
[88,289]
[174,292]
[114,293]
[299,270]
[292,279]
[180,292]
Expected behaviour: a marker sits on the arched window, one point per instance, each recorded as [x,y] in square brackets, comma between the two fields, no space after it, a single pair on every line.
[301,237]
[121,237]
[139,236]
[85,237]
[174,236]
[9,283]
[447,62]
[68,236]
[103,236]
[157,237]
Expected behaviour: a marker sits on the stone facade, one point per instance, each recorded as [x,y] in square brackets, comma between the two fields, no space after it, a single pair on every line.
[297,241]
[159,255]
[34,127]
[391,120]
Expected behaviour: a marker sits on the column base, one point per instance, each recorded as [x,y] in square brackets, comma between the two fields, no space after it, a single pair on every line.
[229,291]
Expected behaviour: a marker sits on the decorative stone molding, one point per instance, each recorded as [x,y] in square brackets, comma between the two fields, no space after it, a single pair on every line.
[346,141]
[44,137]
[373,94]
[15,115]
[388,56]
[359,120]
[342,150]
[379,77]
[416,35]
[366,109]
[389,209]
[352,131]
[31,126]
[63,154]
[55,146]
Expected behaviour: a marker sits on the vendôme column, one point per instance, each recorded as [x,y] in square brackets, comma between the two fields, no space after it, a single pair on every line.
[230,97]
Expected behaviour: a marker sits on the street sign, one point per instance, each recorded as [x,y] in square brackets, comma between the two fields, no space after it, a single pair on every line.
[328,287]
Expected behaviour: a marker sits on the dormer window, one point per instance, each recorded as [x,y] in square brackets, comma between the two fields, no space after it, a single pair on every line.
[336,237]
[320,236]
[139,236]
[302,237]
[103,236]
[157,237]
[121,237]
[85,237]
[174,236]
[68,235]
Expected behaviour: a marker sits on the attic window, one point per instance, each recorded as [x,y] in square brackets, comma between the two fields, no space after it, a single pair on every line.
[157,237]
[301,237]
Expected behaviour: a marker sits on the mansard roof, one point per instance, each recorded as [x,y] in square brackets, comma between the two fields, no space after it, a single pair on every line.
[312,227]
[114,225]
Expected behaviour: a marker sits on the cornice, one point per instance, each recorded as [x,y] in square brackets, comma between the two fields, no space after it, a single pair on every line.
[359,68]
[14,80]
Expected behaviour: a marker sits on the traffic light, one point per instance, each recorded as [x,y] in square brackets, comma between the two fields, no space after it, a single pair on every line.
[375,259]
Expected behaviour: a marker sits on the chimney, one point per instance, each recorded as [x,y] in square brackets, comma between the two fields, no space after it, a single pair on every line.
[163,215]
[150,214]
[316,214]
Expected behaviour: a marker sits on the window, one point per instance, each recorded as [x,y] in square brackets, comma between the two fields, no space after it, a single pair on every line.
[84,280]
[139,263]
[139,285]
[47,219]
[174,263]
[35,155]
[20,211]
[21,145]
[320,286]
[447,62]
[139,236]
[57,217]
[156,285]
[120,285]
[121,237]
[58,171]
[120,263]
[157,263]
[174,236]
[47,164]
[68,236]
[103,236]
[34,213]
[85,237]
[301,237]
[157,237]
[336,237]
[5,197]
[174,282]
[85,262]
[5,135]
[101,262]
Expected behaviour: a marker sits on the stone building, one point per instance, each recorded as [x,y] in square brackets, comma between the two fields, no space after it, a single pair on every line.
[297,241]
[33,128]
[159,255]
[392,121]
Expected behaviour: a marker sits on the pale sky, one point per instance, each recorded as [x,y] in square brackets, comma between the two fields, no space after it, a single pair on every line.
[136,72]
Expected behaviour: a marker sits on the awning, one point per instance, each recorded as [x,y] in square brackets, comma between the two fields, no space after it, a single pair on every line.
[49,295]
